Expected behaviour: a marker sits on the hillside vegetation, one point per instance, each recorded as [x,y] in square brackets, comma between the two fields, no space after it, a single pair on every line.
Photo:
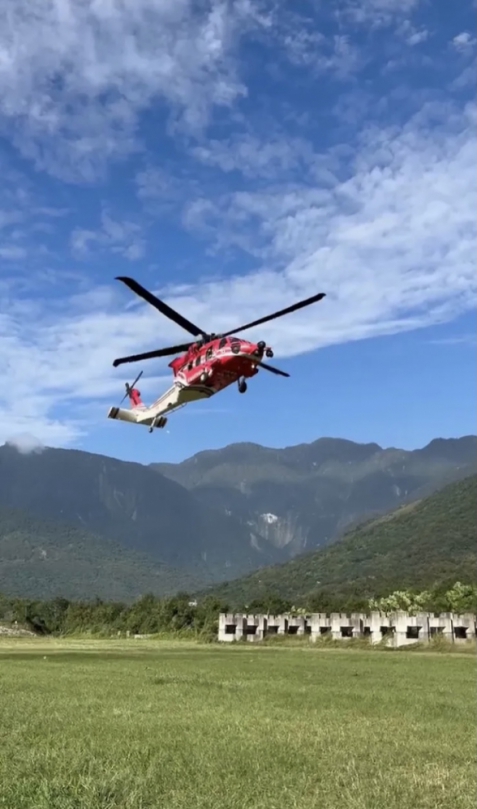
[44,559]
[135,507]
[417,546]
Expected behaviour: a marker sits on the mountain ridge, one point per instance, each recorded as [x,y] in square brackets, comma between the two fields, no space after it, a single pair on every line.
[132,505]
[305,496]
[421,544]
[260,509]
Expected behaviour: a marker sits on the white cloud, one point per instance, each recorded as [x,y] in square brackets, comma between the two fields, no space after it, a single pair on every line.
[26,443]
[383,222]
[374,13]
[412,35]
[11,252]
[392,244]
[124,238]
[464,42]
[57,353]
[417,37]
[75,74]
[456,340]
[313,50]
[256,157]
[9,217]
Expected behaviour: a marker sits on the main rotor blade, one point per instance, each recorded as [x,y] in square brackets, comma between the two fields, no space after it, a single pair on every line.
[149,355]
[265,365]
[272,369]
[161,306]
[287,311]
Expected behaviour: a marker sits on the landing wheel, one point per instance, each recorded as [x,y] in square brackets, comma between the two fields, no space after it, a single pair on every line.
[269,352]
[242,386]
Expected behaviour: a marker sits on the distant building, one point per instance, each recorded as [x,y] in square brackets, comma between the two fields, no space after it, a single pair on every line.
[393,629]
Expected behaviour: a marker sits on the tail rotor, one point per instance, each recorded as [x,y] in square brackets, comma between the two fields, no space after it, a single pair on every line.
[130,388]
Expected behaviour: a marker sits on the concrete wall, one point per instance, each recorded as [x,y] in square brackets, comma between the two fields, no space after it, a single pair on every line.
[395,629]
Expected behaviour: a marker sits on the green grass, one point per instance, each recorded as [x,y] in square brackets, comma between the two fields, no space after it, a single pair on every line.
[143,724]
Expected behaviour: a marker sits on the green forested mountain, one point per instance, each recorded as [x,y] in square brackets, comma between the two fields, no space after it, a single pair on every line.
[147,527]
[417,546]
[301,498]
[45,559]
[135,507]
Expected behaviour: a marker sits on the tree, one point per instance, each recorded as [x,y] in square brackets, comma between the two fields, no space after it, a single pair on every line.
[462,598]
[402,600]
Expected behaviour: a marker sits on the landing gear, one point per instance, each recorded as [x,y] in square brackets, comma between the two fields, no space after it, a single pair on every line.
[242,385]
[269,352]
[159,421]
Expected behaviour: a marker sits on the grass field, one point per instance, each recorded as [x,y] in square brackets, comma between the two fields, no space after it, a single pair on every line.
[136,725]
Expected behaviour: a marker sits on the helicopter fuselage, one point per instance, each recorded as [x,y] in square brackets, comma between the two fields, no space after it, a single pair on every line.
[210,363]
[218,363]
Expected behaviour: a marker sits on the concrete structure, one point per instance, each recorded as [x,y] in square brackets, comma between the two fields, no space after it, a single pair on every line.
[394,629]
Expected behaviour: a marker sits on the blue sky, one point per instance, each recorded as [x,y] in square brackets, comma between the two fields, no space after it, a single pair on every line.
[236,157]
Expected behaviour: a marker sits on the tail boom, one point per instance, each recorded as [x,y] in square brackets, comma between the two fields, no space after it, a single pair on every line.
[175,397]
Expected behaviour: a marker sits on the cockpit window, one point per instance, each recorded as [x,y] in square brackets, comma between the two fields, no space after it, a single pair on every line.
[223,342]
[197,362]
[209,354]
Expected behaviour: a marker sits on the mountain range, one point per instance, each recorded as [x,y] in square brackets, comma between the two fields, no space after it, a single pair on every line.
[420,545]
[43,559]
[303,497]
[133,506]
[215,517]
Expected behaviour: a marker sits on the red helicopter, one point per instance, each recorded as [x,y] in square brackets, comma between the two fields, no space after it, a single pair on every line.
[211,362]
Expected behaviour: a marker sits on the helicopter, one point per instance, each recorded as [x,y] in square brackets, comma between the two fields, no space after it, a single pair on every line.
[207,365]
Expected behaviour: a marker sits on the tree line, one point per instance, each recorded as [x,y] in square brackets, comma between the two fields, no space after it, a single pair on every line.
[182,615]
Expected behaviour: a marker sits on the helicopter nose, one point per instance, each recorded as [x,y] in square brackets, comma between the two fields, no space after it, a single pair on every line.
[259,348]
